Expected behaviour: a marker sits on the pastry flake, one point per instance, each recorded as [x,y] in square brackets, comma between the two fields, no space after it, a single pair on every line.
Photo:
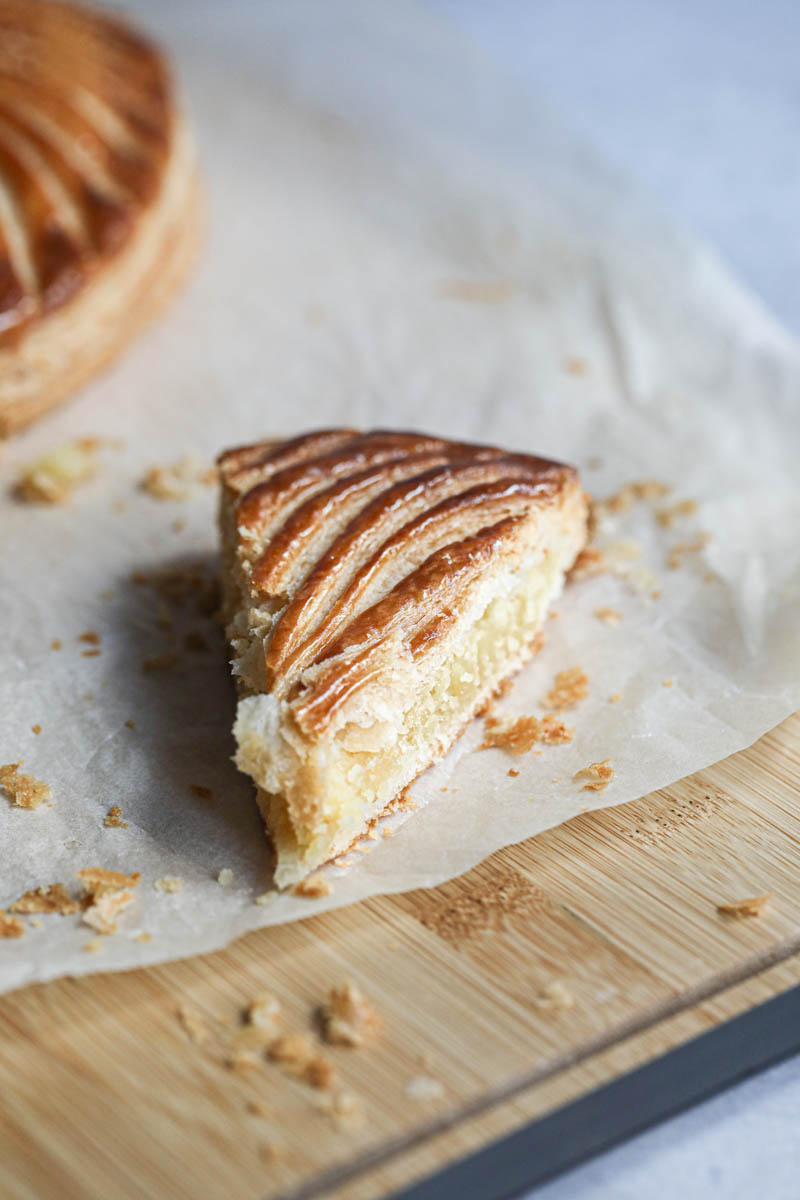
[377,589]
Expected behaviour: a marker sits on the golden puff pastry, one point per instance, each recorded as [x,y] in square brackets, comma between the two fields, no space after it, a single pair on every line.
[98,197]
[378,588]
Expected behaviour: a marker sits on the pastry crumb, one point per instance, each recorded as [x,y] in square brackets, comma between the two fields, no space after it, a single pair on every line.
[553,731]
[517,735]
[598,776]
[348,1018]
[576,366]
[201,791]
[51,898]
[10,927]
[93,946]
[37,729]
[24,791]
[753,906]
[265,898]
[56,644]
[52,478]
[615,698]
[424,1088]
[91,653]
[259,1108]
[668,516]
[666,683]
[113,818]
[225,877]
[312,888]
[106,894]
[91,637]
[694,546]
[568,688]
[178,480]
[193,1025]
[264,1011]
[320,1073]
[609,616]
[130,724]
[513,773]
[169,884]
[241,1059]
[554,996]
[144,936]
[292,1051]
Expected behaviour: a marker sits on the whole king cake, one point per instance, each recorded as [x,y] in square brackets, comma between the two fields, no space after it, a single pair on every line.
[98,197]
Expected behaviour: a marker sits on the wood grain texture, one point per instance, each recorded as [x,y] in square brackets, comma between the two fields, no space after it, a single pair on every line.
[102,1093]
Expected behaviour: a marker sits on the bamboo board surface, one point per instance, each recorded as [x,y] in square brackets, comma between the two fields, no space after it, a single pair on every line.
[102,1093]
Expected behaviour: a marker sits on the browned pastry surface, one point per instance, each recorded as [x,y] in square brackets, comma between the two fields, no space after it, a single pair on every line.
[94,163]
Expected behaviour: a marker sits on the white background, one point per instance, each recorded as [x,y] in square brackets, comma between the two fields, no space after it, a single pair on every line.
[700,102]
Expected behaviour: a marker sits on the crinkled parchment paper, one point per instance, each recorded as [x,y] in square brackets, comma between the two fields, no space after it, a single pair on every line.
[397,237]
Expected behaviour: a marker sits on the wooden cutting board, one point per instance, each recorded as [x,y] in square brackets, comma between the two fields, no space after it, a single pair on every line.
[555,966]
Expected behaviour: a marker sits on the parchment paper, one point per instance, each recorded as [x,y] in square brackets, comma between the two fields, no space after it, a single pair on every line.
[397,237]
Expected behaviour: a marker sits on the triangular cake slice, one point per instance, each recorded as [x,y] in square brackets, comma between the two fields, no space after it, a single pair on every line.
[378,587]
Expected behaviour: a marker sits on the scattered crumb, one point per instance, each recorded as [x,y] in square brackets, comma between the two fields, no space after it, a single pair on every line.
[695,546]
[159,662]
[93,946]
[242,1059]
[403,802]
[576,366]
[320,1073]
[517,735]
[568,688]
[51,478]
[615,698]
[348,1018]
[56,644]
[751,907]
[424,1088]
[53,898]
[113,818]
[630,493]
[667,683]
[513,773]
[623,549]
[91,653]
[225,877]
[668,516]
[178,525]
[24,791]
[313,888]
[201,791]
[386,831]
[598,776]
[91,636]
[37,729]
[265,898]
[144,936]
[105,895]
[130,724]
[10,927]
[36,922]
[259,1108]
[344,1108]
[553,731]
[196,640]
[264,1011]
[477,291]
[609,616]
[589,562]
[554,996]
[169,883]
[193,1025]
[292,1051]
[178,480]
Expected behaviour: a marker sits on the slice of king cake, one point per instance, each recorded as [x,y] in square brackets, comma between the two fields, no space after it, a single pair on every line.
[378,588]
